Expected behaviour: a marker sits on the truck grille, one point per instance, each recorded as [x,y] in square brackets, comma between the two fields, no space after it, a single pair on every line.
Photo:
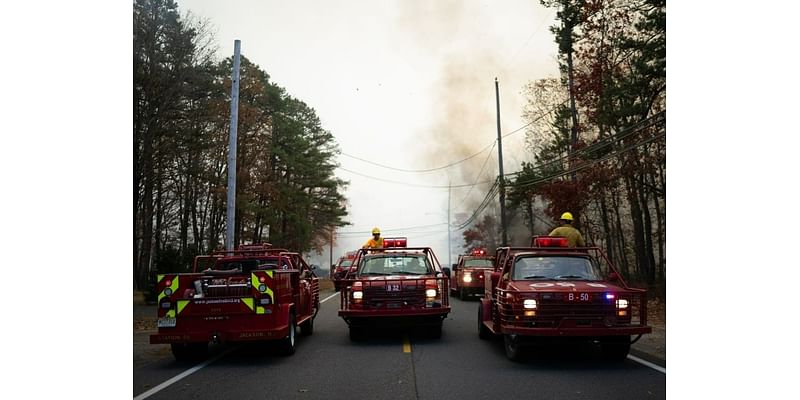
[378,297]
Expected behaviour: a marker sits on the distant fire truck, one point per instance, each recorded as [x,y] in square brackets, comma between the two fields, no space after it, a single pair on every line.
[343,265]
[395,286]
[468,275]
[550,292]
[253,293]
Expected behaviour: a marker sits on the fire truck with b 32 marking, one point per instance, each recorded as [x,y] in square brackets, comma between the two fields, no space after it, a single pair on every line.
[395,286]
[253,293]
[550,293]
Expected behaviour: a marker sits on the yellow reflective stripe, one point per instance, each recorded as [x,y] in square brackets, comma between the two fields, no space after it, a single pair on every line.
[248,301]
[170,313]
[173,286]
[271,296]
[182,304]
[159,278]
[269,273]
[259,310]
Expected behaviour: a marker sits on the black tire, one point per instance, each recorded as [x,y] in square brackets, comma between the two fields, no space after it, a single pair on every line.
[514,351]
[189,351]
[483,332]
[307,327]
[288,345]
[616,348]
[357,333]
[434,331]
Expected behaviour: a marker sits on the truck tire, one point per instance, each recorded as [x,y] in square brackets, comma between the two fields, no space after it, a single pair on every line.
[189,351]
[483,332]
[357,333]
[287,346]
[307,327]
[513,348]
[615,348]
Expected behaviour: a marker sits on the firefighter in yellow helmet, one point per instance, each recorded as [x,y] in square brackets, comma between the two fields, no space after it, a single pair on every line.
[375,242]
[573,235]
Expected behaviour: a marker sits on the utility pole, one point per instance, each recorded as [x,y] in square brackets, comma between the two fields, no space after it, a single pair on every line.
[449,241]
[231,216]
[500,160]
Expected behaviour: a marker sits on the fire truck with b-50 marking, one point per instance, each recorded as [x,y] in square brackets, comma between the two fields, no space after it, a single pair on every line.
[550,293]
[253,293]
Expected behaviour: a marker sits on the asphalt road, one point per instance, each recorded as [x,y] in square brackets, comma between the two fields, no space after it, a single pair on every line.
[390,365]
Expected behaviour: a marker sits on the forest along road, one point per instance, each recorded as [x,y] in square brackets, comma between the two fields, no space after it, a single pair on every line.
[392,365]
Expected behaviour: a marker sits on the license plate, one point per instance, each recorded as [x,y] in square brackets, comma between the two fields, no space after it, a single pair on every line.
[166,322]
[577,297]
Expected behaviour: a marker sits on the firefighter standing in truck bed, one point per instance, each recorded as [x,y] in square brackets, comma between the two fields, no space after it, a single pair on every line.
[375,242]
[573,235]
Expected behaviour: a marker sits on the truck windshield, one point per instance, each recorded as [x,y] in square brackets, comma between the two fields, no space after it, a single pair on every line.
[554,267]
[345,263]
[478,262]
[395,265]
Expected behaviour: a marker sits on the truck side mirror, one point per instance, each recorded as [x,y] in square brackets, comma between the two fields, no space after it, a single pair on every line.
[446,271]
[455,267]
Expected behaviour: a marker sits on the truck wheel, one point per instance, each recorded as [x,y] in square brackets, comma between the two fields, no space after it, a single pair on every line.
[286,346]
[483,332]
[189,351]
[357,333]
[616,348]
[307,327]
[513,349]
[434,331]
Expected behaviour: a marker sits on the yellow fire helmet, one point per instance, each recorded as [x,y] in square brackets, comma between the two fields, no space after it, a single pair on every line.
[567,216]
[376,231]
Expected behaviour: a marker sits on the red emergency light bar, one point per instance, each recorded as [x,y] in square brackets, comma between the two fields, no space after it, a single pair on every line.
[479,252]
[549,241]
[395,242]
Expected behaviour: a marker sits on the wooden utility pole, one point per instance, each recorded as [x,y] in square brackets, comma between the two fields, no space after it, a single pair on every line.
[500,160]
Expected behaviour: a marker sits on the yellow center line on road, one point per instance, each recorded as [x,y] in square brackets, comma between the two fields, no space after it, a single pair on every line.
[406,344]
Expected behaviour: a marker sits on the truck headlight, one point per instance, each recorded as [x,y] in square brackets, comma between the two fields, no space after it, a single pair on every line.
[622,303]
[430,293]
[467,278]
[529,304]
[358,295]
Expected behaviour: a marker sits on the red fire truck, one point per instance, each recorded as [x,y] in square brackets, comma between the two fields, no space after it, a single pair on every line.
[553,293]
[468,276]
[395,286]
[341,268]
[253,293]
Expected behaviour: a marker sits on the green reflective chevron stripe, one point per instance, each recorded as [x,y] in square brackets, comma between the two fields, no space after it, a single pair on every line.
[170,314]
[182,304]
[248,301]
[173,286]
[159,278]
[259,310]
[271,297]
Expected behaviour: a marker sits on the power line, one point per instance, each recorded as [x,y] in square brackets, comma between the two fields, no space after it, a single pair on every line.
[418,170]
[410,184]
[408,228]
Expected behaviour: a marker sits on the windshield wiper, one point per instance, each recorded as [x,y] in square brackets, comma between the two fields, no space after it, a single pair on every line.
[536,277]
[406,273]
[371,273]
[570,277]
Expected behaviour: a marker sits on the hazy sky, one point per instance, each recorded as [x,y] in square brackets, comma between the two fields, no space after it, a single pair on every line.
[406,84]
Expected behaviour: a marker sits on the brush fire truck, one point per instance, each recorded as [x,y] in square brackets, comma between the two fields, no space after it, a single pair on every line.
[553,293]
[341,268]
[253,293]
[395,286]
[468,275]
